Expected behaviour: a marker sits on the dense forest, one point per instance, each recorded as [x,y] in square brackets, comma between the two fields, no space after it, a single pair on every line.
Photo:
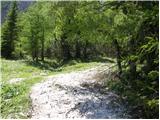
[127,31]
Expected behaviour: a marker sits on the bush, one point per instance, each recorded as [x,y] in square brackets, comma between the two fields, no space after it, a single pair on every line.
[153,75]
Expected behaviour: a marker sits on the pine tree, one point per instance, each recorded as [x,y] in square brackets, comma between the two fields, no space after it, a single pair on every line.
[10,33]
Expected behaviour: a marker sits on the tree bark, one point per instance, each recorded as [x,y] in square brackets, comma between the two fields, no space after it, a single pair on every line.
[118,55]
[85,50]
[42,42]
[149,63]
[65,48]
[78,50]
[20,52]
[36,56]
[132,64]
[36,53]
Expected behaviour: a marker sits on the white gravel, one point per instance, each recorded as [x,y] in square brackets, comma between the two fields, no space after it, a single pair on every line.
[75,95]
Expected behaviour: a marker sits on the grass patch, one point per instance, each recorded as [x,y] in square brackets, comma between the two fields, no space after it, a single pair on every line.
[19,69]
[15,100]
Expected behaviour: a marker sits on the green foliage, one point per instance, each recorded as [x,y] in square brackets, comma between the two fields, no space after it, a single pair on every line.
[9,91]
[10,33]
[59,32]
[10,95]
[153,103]
[153,75]
[133,58]
[149,48]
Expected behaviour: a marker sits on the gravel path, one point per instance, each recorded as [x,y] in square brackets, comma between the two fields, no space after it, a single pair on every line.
[75,95]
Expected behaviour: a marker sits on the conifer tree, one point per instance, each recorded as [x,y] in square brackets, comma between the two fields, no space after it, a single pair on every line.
[10,33]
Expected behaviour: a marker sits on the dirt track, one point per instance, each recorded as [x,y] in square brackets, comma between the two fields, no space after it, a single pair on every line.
[75,95]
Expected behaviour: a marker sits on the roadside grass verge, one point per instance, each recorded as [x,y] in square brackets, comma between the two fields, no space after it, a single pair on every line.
[15,102]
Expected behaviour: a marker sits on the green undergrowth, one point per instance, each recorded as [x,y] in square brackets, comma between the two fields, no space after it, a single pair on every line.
[15,101]
[139,95]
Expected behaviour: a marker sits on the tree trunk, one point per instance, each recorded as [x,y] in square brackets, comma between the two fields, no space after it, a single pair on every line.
[33,57]
[118,55]
[85,50]
[67,53]
[36,55]
[42,50]
[132,69]
[32,46]
[149,63]
[78,50]
[132,64]
[20,52]
[65,49]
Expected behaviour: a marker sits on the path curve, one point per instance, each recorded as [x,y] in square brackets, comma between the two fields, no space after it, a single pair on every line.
[75,95]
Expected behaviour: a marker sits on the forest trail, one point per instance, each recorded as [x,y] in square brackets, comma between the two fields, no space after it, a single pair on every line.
[76,95]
